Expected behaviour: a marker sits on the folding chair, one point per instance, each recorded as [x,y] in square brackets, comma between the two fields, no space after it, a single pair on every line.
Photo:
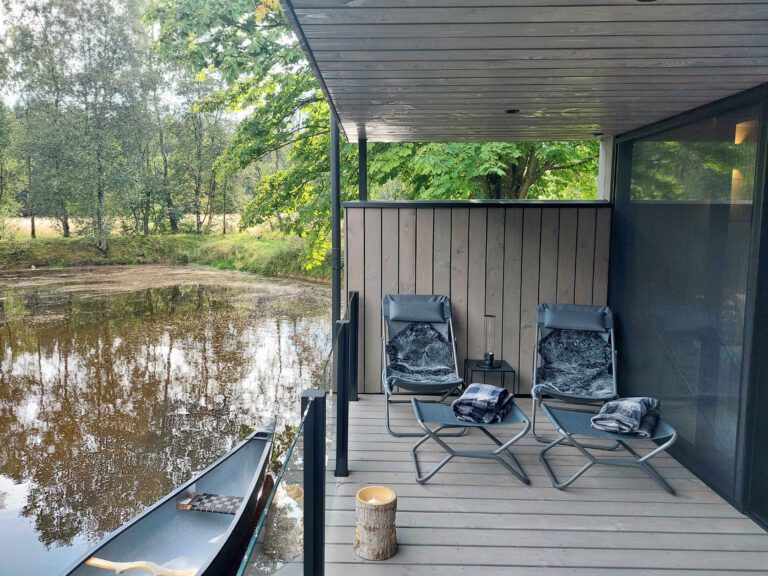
[570,423]
[418,331]
[443,417]
[575,346]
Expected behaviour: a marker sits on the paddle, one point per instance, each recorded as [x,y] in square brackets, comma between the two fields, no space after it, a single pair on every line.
[151,567]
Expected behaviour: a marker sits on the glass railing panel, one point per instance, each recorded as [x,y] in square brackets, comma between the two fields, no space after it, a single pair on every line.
[276,546]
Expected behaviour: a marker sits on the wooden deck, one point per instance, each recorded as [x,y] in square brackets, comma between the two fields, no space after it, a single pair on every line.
[475,518]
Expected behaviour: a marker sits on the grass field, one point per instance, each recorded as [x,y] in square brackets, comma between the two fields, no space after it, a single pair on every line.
[48,228]
[270,254]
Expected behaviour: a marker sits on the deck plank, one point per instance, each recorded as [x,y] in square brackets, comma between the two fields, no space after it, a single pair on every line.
[475,518]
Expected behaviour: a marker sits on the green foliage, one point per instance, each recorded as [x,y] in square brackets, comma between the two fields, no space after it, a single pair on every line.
[106,131]
[266,79]
[275,255]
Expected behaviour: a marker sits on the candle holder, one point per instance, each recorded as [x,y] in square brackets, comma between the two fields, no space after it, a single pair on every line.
[490,340]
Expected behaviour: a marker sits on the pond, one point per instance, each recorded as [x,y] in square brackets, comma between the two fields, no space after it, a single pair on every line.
[119,383]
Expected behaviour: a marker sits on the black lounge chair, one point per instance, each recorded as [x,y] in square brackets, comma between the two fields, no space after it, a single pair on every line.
[418,349]
[574,358]
[572,423]
[442,417]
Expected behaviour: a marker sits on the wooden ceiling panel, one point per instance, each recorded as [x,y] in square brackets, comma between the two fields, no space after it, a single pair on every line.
[410,70]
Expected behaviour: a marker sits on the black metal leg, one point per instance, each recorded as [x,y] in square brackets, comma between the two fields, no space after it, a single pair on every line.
[566,439]
[514,467]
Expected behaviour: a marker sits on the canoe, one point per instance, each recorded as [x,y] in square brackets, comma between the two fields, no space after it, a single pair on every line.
[199,529]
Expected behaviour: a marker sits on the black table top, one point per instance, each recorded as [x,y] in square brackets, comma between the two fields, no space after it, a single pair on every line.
[476,365]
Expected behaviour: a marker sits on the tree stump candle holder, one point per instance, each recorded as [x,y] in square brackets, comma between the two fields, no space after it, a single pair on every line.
[375,531]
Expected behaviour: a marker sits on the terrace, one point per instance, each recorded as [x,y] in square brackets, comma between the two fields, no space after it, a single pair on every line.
[675,91]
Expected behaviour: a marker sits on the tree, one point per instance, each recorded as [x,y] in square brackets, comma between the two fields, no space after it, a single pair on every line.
[10,176]
[263,71]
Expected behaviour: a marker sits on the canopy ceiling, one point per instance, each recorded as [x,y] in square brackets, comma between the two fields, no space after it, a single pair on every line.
[442,70]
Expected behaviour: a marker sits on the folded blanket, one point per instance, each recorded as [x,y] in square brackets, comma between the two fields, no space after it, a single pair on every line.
[628,416]
[483,404]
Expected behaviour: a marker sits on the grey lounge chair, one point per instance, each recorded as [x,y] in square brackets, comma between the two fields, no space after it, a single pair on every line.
[442,417]
[418,349]
[576,347]
[570,423]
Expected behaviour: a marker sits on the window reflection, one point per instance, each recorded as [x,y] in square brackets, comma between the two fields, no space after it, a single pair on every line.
[689,223]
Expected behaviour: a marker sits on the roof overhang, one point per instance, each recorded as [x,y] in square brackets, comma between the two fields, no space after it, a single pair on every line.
[447,70]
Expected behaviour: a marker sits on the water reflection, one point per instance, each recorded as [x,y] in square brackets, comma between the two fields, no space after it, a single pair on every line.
[108,401]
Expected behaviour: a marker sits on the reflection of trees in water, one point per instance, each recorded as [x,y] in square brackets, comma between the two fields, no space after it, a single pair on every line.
[107,403]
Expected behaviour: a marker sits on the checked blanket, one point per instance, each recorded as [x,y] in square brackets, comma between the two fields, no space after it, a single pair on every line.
[628,416]
[483,404]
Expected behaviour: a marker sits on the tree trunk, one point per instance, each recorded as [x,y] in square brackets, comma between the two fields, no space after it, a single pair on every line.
[167,196]
[100,224]
[198,133]
[30,198]
[64,220]
[224,203]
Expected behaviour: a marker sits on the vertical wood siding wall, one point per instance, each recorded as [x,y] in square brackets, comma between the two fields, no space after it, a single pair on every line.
[489,258]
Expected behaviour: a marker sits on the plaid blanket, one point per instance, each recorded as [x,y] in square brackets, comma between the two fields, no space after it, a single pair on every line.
[628,416]
[483,404]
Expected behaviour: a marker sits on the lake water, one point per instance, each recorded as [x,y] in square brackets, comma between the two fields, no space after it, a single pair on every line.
[119,383]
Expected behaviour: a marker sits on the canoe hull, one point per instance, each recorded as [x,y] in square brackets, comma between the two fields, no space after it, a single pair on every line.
[205,543]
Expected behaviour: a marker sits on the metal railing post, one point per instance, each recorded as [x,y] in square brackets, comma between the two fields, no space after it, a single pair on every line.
[354,330]
[314,482]
[342,400]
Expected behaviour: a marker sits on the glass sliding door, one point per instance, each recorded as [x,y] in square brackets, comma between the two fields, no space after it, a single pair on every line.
[684,209]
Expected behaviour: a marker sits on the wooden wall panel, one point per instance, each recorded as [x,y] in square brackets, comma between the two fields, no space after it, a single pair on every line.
[407,250]
[513,265]
[566,254]
[390,258]
[494,281]
[424,250]
[354,260]
[550,223]
[490,259]
[459,278]
[602,258]
[372,300]
[585,256]
[441,266]
[529,293]
[476,282]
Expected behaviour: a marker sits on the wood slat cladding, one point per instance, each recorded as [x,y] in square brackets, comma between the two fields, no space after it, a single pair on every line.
[429,70]
[490,258]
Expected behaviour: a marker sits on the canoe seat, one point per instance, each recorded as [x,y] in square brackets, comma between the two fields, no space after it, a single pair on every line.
[202,502]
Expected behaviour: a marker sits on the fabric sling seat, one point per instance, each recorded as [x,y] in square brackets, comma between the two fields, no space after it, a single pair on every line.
[574,357]
[442,417]
[418,350]
[572,424]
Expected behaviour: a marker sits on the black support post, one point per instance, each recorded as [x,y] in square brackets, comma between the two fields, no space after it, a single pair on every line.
[335,224]
[362,168]
[342,400]
[314,482]
[354,330]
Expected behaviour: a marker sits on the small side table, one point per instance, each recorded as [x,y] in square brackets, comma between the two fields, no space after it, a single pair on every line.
[472,365]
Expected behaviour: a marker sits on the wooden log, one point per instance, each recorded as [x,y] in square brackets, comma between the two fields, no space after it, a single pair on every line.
[375,532]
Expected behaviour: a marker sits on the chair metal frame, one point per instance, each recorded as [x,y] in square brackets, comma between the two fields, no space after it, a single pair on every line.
[539,402]
[388,396]
[566,438]
[503,448]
